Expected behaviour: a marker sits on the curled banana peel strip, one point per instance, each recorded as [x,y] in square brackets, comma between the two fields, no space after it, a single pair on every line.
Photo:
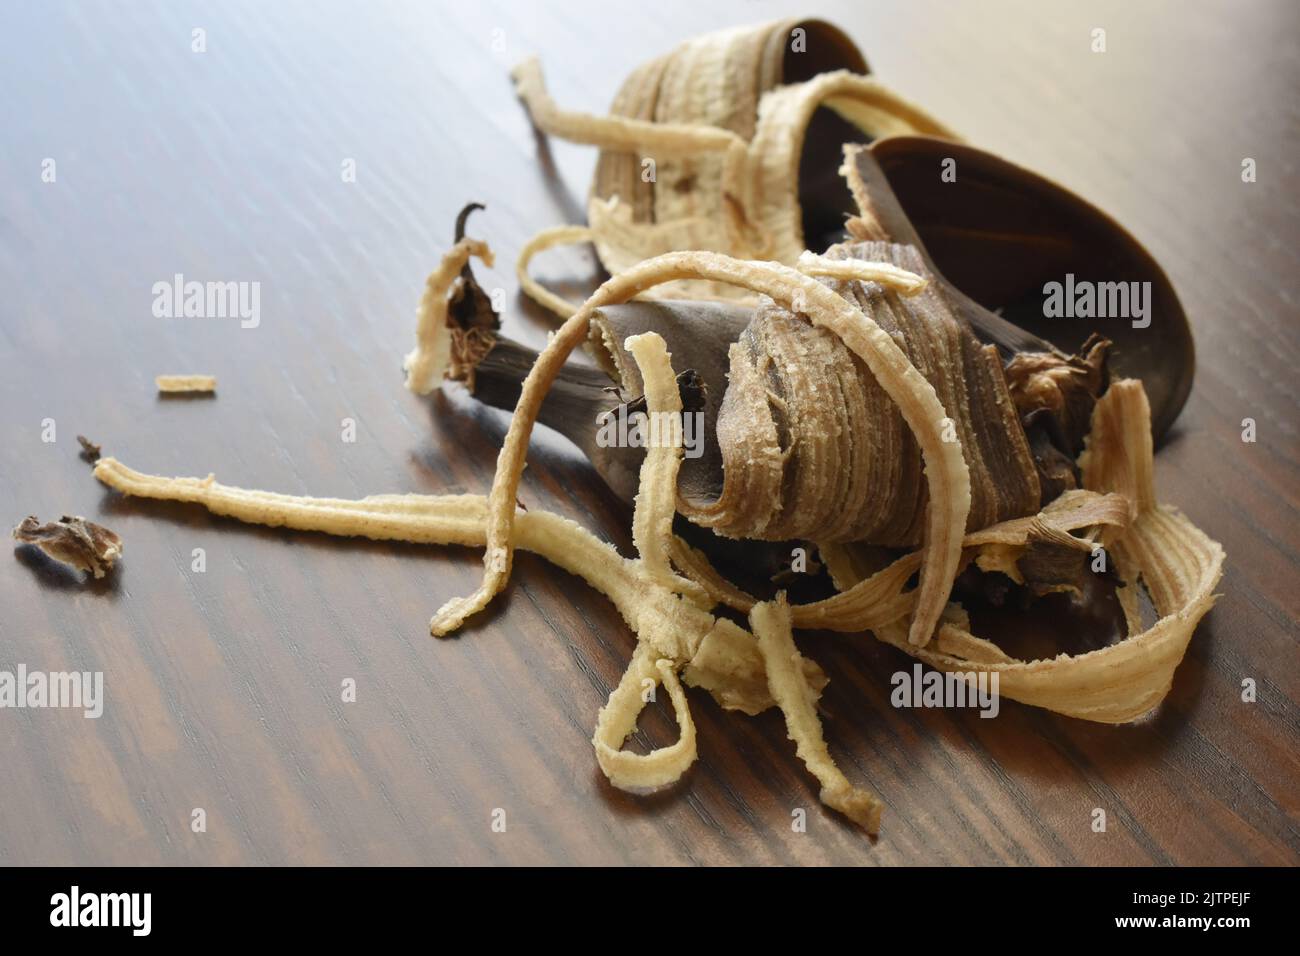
[548,239]
[745,203]
[771,179]
[771,624]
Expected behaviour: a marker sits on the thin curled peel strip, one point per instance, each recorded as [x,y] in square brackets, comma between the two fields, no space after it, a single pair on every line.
[656,500]
[642,137]
[771,181]
[945,467]
[613,132]
[904,282]
[426,364]
[695,565]
[770,622]
[422,519]
[674,627]
[548,239]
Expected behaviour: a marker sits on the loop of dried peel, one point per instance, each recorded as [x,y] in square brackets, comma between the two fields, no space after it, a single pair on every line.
[771,181]
[428,362]
[1179,565]
[652,520]
[945,467]
[548,239]
[643,773]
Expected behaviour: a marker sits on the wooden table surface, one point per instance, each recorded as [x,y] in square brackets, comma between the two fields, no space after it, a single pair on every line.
[223,688]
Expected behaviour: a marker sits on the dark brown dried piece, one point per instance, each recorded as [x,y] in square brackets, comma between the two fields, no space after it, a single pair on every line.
[473,321]
[1054,560]
[689,385]
[472,307]
[73,540]
[89,450]
[1054,395]
[1067,386]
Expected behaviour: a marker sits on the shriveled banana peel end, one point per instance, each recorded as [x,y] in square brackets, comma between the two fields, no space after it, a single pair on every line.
[444,348]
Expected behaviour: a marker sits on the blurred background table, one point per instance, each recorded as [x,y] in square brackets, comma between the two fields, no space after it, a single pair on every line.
[223,687]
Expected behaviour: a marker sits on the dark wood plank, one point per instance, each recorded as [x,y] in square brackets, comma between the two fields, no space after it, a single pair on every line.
[223,688]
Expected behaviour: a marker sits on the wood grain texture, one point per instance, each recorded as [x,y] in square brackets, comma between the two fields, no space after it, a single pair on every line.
[223,687]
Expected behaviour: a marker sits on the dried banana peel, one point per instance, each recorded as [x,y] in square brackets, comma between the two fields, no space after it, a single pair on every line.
[851,402]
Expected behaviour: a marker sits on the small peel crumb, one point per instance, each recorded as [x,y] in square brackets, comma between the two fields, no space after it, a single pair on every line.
[186,383]
[73,540]
[89,450]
